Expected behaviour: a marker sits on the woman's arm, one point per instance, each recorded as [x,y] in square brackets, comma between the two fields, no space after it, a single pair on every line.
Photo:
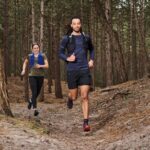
[45,66]
[24,67]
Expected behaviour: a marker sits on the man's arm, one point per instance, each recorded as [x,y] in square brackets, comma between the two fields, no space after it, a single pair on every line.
[62,48]
[91,49]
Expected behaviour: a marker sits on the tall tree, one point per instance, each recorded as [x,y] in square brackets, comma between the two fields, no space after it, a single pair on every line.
[120,64]
[56,39]
[144,61]
[27,47]
[133,38]
[41,96]
[109,66]
[15,39]
[5,36]
[42,24]
[50,45]
[33,21]
[4,100]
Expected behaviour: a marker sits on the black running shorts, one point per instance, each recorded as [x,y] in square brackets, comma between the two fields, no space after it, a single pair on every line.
[77,78]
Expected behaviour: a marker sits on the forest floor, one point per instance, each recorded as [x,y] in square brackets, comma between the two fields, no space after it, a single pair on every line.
[119,119]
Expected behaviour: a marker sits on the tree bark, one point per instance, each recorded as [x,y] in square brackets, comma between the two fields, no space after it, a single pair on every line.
[15,41]
[49,26]
[33,21]
[4,100]
[58,89]
[42,25]
[109,66]
[144,61]
[121,70]
[41,96]
[5,36]
[133,38]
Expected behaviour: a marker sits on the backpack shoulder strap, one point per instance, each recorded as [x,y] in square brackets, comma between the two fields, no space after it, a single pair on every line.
[29,56]
[86,37]
[69,39]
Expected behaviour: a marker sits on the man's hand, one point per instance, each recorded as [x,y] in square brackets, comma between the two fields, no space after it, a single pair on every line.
[71,58]
[91,64]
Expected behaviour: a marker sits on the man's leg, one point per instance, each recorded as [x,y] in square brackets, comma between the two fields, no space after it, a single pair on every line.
[71,97]
[85,101]
[85,105]
[73,93]
[73,88]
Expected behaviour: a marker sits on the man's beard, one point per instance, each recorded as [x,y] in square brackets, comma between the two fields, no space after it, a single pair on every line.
[77,31]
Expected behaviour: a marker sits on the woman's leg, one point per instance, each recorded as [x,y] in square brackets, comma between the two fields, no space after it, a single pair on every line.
[39,84]
[33,86]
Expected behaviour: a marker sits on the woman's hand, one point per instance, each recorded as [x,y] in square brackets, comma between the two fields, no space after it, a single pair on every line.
[23,72]
[37,66]
[24,67]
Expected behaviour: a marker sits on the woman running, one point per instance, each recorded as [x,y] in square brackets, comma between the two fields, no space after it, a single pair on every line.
[37,62]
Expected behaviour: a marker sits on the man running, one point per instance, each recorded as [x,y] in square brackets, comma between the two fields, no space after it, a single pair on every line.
[78,45]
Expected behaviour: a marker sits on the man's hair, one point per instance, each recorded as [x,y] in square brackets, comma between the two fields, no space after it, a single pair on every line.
[69,28]
[75,17]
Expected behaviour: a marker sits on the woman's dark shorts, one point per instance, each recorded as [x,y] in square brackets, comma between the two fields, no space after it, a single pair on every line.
[77,78]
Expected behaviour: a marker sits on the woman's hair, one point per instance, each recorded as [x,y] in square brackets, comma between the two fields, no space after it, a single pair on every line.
[35,43]
[68,26]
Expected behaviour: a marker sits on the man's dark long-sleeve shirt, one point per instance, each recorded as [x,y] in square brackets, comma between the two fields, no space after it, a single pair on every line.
[80,53]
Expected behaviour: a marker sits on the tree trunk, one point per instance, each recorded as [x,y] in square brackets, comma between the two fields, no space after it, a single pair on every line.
[58,89]
[42,25]
[5,36]
[15,42]
[81,9]
[41,96]
[4,100]
[103,59]
[27,48]
[49,22]
[121,70]
[49,26]
[144,62]
[33,22]
[133,39]
[109,66]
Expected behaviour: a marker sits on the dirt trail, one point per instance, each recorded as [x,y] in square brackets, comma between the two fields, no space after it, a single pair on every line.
[119,119]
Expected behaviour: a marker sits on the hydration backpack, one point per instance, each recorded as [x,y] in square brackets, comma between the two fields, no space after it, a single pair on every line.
[40,59]
[71,45]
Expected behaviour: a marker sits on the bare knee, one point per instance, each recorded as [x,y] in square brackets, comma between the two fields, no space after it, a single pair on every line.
[73,97]
[84,97]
